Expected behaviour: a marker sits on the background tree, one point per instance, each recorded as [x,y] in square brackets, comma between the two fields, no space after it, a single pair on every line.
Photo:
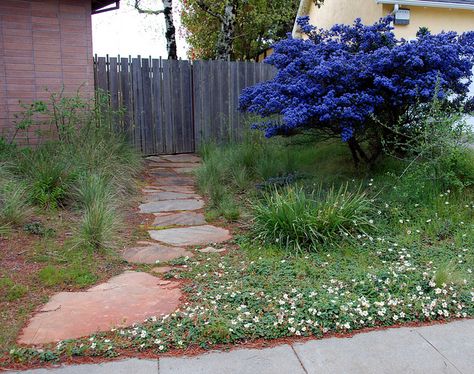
[359,83]
[236,29]
[145,7]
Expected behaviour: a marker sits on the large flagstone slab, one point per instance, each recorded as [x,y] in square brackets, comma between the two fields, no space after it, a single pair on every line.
[171,205]
[168,195]
[122,301]
[178,189]
[179,219]
[174,181]
[194,235]
[184,157]
[175,165]
[151,253]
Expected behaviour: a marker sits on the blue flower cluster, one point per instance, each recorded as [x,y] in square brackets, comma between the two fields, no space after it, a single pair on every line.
[341,79]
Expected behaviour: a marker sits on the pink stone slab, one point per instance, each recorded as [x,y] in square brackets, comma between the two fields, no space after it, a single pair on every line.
[175,165]
[153,253]
[179,219]
[212,250]
[167,195]
[194,235]
[177,189]
[171,205]
[184,157]
[174,181]
[184,170]
[125,299]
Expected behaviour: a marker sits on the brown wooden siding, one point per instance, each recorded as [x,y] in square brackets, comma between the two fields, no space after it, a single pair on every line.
[44,44]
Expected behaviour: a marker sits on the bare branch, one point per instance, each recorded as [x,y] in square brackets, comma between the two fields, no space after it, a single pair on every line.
[141,10]
[204,7]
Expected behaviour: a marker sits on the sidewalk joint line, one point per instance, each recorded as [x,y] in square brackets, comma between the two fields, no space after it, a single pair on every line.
[437,350]
[299,360]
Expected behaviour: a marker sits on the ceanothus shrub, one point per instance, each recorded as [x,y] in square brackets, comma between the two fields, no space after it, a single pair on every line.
[358,82]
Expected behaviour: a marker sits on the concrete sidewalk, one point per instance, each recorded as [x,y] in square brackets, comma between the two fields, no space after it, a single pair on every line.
[434,349]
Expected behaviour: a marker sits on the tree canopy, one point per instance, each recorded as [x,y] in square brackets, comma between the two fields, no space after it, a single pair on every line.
[358,82]
[253,25]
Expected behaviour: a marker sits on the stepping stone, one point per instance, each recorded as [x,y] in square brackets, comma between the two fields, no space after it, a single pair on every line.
[174,181]
[212,250]
[162,173]
[184,157]
[184,170]
[168,195]
[194,235]
[174,165]
[161,269]
[122,301]
[153,253]
[171,205]
[179,219]
[155,159]
[177,189]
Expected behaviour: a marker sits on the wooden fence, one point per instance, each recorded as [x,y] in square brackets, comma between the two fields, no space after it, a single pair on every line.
[173,106]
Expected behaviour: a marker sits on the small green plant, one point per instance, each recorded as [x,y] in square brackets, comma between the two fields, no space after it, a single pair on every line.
[37,228]
[14,209]
[11,291]
[98,225]
[75,274]
[294,219]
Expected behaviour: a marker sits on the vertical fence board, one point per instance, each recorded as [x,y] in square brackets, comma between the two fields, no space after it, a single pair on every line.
[167,108]
[157,105]
[147,114]
[197,102]
[102,74]
[125,100]
[187,106]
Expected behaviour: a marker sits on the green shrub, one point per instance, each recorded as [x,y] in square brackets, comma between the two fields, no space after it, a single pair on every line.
[98,225]
[53,276]
[14,209]
[49,174]
[294,219]
[11,291]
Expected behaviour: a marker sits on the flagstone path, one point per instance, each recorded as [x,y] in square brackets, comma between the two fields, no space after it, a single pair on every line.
[132,296]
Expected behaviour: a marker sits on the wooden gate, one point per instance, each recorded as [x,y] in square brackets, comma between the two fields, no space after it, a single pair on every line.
[173,106]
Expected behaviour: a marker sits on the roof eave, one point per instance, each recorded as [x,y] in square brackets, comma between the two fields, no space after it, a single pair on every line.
[430,4]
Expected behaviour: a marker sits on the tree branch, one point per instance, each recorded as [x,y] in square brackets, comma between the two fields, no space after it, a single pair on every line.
[141,10]
[206,9]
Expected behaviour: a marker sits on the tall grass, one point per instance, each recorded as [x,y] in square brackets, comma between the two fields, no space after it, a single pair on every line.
[89,169]
[14,208]
[99,222]
[233,170]
[294,219]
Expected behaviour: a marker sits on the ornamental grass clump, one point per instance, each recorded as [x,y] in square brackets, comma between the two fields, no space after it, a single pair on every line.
[99,220]
[296,220]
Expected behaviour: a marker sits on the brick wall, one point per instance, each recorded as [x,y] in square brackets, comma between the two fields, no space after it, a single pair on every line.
[44,44]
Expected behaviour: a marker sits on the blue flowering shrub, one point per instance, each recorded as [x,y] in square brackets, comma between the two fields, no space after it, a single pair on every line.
[356,82]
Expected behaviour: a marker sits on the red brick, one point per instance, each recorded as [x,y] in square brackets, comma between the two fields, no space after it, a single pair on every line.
[47,47]
[18,67]
[48,68]
[17,46]
[17,32]
[54,55]
[45,20]
[49,74]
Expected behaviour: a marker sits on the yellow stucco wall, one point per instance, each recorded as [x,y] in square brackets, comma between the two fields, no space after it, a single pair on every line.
[344,11]
[436,19]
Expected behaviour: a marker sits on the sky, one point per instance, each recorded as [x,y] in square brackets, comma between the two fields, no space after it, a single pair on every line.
[126,32]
